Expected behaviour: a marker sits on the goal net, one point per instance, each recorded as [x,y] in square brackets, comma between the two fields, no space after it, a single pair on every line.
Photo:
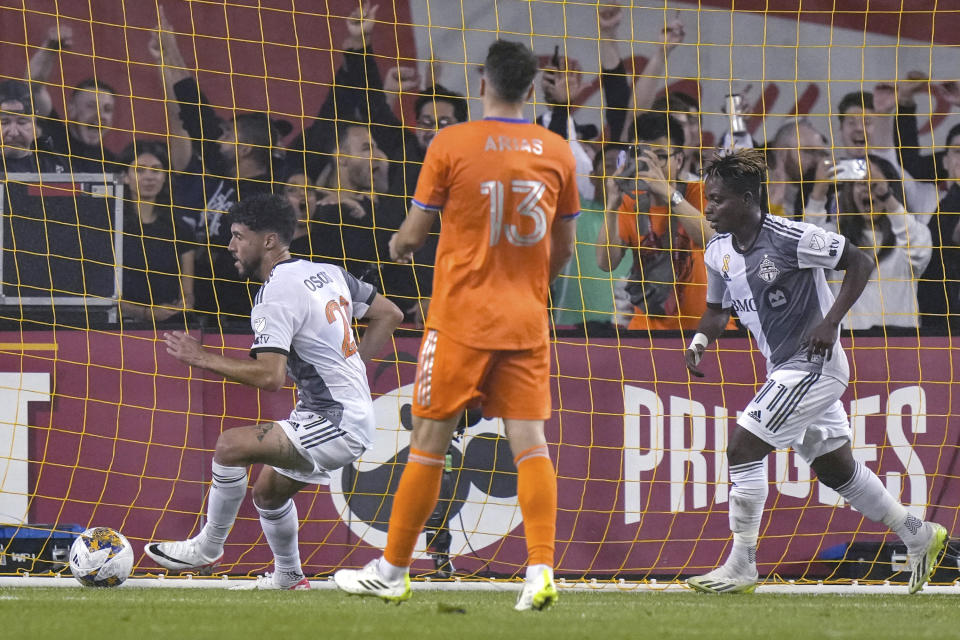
[99,426]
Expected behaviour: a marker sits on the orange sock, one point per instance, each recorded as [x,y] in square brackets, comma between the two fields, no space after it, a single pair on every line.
[537,495]
[413,503]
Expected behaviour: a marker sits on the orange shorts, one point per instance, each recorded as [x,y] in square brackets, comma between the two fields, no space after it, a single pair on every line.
[506,384]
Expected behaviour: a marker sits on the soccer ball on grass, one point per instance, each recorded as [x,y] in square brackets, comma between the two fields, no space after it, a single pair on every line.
[101,557]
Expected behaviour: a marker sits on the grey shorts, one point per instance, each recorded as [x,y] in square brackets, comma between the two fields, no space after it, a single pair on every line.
[321,443]
[799,410]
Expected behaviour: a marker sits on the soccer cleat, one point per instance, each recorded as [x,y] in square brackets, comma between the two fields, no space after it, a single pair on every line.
[537,593]
[181,556]
[369,582]
[923,564]
[268,582]
[721,580]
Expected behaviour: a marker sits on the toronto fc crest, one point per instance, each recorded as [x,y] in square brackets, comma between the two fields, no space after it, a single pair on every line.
[768,271]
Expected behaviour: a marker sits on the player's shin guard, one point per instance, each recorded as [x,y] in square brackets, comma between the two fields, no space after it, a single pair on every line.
[748,495]
[227,490]
[537,495]
[280,528]
[413,502]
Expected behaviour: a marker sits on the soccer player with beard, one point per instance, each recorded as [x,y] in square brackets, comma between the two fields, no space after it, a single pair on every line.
[771,270]
[302,324]
[507,190]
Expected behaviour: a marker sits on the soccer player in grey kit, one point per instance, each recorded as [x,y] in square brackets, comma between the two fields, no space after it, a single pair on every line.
[303,328]
[770,270]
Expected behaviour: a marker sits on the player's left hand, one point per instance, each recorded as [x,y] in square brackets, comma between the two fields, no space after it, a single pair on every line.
[184,348]
[692,359]
[396,255]
[821,339]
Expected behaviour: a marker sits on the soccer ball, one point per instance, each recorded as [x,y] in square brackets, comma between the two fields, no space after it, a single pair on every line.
[101,557]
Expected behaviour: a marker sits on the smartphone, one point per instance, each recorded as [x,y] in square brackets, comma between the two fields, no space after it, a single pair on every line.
[632,156]
[852,169]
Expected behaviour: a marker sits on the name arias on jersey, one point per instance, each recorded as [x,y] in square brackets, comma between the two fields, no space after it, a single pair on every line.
[505,143]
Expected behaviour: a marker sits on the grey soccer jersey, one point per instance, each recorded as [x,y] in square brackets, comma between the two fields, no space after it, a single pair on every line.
[305,310]
[778,289]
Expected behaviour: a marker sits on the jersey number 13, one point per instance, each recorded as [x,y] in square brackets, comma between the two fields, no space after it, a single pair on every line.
[529,207]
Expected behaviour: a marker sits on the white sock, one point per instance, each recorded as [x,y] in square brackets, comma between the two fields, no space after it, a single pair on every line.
[748,495]
[391,572]
[911,529]
[866,494]
[280,528]
[227,490]
[534,571]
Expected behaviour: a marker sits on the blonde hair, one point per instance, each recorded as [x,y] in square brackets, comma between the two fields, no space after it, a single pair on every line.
[743,170]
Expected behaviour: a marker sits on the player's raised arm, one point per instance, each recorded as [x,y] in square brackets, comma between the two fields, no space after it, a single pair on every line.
[712,323]
[384,317]
[267,371]
[857,267]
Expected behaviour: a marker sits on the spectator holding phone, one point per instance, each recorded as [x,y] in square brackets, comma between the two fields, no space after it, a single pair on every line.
[863,131]
[870,214]
[660,218]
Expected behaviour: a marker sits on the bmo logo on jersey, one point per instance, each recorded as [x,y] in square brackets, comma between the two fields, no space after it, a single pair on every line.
[484,505]
[777,298]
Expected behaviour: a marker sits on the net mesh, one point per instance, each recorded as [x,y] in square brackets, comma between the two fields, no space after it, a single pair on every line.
[100,427]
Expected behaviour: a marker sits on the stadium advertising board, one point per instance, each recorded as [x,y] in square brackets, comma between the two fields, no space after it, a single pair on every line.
[125,440]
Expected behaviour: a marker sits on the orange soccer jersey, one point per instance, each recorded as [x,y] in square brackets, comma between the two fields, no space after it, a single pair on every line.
[500,184]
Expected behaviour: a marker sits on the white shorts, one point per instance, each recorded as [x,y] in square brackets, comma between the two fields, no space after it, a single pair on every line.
[320,442]
[799,410]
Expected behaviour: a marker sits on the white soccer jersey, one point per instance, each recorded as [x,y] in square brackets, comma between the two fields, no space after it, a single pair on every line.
[305,310]
[779,290]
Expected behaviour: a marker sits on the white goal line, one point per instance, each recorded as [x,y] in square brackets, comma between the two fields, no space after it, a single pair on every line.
[487,584]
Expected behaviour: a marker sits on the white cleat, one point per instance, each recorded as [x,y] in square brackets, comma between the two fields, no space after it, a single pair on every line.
[538,593]
[723,580]
[268,581]
[181,556]
[369,582]
[923,563]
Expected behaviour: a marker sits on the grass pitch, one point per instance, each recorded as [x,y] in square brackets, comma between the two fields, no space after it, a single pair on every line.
[167,614]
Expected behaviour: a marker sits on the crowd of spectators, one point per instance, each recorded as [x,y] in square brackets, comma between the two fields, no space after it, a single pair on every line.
[351,172]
